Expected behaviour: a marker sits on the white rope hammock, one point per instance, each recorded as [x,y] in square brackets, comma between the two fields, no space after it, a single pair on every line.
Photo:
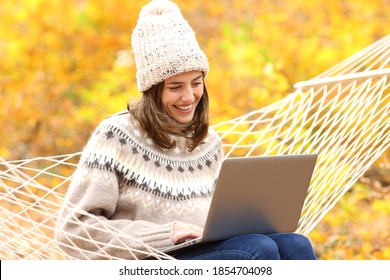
[342,114]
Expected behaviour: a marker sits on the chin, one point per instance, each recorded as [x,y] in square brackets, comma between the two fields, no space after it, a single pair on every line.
[182,120]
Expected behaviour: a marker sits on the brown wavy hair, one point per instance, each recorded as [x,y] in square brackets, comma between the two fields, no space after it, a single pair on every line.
[157,123]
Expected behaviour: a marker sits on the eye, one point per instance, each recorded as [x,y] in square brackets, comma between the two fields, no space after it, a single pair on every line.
[196,84]
[174,88]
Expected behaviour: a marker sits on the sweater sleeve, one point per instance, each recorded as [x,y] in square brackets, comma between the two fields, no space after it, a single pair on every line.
[84,228]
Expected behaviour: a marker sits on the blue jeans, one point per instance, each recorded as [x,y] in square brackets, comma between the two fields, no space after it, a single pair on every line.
[278,246]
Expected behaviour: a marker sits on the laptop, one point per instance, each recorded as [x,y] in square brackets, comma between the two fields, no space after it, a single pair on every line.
[260,194]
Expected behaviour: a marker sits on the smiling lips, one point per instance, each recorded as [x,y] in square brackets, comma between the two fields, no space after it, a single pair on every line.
[184,108]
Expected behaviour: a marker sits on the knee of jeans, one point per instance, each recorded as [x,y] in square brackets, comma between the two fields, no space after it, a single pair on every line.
[262,247]
[300,241]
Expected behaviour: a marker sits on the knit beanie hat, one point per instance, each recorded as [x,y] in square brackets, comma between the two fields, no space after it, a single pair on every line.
[164,45]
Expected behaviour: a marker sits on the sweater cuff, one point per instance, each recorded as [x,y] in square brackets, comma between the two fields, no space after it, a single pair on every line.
[161,237]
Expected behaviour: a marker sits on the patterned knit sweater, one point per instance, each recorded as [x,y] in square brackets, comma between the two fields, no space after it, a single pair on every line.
[126,192]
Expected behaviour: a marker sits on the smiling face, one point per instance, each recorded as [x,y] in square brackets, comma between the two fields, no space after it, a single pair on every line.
[181,95]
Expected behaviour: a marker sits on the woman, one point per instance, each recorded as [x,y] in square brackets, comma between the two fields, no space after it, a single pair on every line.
[146,177]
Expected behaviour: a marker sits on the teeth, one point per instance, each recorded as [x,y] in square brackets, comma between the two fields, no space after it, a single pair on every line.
[184,108]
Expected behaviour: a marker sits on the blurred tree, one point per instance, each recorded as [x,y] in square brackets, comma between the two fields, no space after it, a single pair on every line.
[66,65]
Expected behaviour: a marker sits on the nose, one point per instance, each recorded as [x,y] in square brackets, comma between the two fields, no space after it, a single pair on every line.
[188,95]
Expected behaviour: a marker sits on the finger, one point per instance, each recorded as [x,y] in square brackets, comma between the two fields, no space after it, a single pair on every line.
[181,234]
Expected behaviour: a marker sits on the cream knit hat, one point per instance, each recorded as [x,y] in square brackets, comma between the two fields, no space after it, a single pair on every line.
[164,45]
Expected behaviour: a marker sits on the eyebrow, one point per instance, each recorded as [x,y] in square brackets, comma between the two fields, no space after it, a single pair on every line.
[177,82]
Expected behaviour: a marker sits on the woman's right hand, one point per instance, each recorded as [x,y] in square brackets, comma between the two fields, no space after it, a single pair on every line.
[183,231]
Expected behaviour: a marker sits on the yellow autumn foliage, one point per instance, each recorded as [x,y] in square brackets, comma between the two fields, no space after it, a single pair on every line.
[66,65]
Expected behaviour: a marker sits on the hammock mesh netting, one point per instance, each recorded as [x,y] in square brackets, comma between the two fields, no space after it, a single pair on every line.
[343,115]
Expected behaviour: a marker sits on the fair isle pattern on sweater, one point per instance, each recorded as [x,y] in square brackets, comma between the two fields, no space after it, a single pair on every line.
[156,172]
